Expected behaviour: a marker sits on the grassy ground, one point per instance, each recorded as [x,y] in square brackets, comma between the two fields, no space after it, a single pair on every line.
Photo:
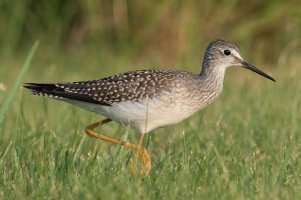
[246,145]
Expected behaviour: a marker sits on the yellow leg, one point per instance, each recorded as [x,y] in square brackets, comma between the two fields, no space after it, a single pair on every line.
[90,131]
[141,151]
[144,157]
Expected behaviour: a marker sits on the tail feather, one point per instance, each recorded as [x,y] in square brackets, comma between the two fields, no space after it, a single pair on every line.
[40,87]
[44,89]
[56,92]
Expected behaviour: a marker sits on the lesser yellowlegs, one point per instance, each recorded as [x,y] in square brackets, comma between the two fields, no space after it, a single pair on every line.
[149,99]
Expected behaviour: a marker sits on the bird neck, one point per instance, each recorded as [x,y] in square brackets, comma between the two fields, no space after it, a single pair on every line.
[209,85]
[212,74]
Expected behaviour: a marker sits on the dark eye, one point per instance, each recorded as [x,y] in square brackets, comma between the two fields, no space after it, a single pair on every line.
[227,52]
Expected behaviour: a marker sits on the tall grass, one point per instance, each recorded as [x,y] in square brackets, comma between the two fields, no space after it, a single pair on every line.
[12,93]
[166,27]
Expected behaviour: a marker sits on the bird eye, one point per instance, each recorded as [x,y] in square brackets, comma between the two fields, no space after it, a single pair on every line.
[227,52]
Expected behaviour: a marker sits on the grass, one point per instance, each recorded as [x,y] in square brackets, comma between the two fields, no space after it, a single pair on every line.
[14,90]
[246,145]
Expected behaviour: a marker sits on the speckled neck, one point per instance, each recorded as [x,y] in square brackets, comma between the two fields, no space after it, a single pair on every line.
[209,86]
[212,75]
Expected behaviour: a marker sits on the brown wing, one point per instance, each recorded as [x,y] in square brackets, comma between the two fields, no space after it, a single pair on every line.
[129,86]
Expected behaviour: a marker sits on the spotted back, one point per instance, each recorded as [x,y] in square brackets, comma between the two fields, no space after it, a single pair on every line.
[129,86]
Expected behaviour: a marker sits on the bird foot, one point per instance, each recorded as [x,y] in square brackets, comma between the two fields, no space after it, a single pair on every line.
[141,162]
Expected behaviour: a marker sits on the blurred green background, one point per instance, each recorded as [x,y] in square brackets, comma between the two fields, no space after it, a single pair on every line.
[87,37]
[244,146]
[164,30]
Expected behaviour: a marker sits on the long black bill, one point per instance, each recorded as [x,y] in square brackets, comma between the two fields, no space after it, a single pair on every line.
[256,70]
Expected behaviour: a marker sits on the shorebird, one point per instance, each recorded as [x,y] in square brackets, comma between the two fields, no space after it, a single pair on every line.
[149,99]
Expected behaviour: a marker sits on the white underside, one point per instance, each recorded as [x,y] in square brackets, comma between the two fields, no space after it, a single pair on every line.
[143,116]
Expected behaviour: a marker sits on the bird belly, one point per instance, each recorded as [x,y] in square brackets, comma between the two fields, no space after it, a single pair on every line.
[143,116]
[148,115]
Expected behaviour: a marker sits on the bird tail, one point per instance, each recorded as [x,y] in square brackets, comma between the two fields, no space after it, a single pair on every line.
[60,92]
[45,89]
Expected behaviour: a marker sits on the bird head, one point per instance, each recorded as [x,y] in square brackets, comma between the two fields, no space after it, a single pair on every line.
[223,54]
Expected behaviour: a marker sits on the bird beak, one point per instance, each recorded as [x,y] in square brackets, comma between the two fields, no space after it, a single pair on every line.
[256,70]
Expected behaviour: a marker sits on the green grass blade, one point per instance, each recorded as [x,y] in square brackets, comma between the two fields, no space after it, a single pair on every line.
[14,90]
